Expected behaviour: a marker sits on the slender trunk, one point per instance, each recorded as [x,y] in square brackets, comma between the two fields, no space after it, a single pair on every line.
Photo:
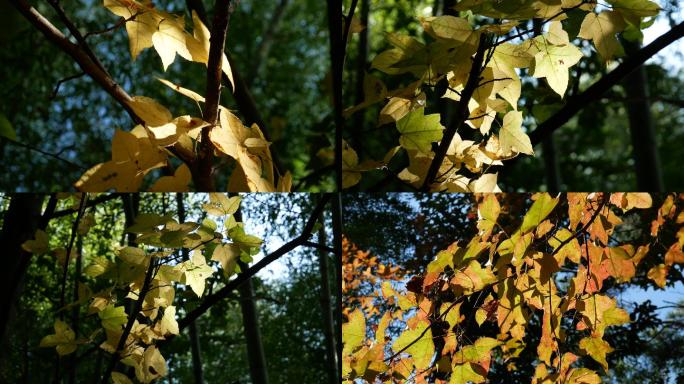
[337,245]
[551,168]
[250,320]
[131,205]
[75,315]
[361,63]
[20,222]
[192,328]
[326,307]
[644,147]
[264,48]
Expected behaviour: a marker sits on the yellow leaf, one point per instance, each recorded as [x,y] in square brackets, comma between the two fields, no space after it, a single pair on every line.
[39,244]
[602,29]
[511,136]
[152,113]
[152,365]
[227,255]
[183,91]
[553,63]
[176,183]
[350,161]
[120,378]
[169,325]
[64,339]
[121,177]
[169,39]
[597,348]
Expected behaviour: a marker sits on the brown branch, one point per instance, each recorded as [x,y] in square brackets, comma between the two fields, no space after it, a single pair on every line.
[91,203]
[83,60]
[69,248]
[596,90]
[202,174]
[227,290]
[77,34]
[131,319]
[461,113]
[64,80]
[242,94]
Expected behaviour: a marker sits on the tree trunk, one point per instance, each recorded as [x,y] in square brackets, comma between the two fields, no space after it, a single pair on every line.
[250,321]
[75,314]
[361,62]
[192,328]
[20,222]
[644,147]
[337,245]
[326,308]
[264,48]
[551,169]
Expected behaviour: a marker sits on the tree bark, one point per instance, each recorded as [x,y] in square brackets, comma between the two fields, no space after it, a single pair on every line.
[326,308]
[192,327]
[337,244]
[264,48]
[361,63]
[75,313]
[20,222]
[250,321]
[551,169]
[644,147]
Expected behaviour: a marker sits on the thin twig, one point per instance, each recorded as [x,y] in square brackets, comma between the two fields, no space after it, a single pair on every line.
[64,80]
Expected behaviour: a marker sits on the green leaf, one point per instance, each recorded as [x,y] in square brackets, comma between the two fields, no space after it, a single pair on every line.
[419,131]
[597,348]
[421,350]
[239,237]
[353,332]
[6,129]
[113,318]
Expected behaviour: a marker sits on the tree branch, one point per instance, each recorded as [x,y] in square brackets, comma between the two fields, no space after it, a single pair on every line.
[596,90]
[461,113]
[203,171]
[131,319]
[83,60]
[227,290]
[242,95]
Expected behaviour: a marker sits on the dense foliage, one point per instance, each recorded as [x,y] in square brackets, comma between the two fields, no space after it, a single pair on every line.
[529,297]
